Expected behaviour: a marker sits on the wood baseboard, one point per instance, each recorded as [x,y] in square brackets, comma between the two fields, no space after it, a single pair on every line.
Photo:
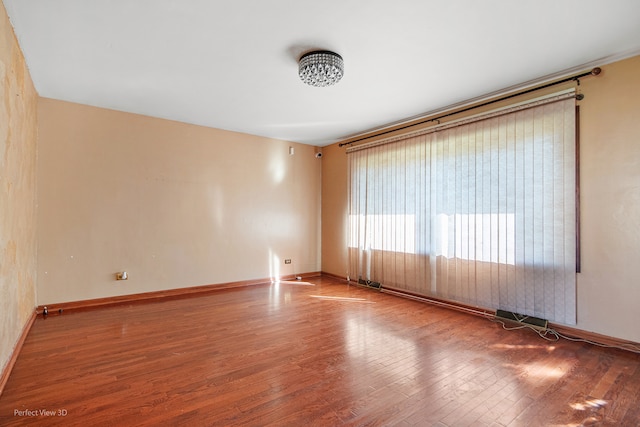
[598,339]
[59,308]
[303,275]
[333,276]
[574,333]
[6,372]
[452,305]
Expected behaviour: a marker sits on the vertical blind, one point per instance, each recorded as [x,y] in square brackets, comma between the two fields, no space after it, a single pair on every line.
[480,212]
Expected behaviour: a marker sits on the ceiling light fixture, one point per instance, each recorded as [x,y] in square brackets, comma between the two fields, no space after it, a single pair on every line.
[321,68]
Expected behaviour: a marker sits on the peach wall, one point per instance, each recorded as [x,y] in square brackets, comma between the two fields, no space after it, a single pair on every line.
[609,285]
[175,205]
[18,137]
[334,210]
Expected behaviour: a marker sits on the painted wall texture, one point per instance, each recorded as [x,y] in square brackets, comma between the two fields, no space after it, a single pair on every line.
[18,137]
[334,210]
[609,285]
[175,205]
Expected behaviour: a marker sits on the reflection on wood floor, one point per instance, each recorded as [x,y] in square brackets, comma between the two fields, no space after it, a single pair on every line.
[319,353]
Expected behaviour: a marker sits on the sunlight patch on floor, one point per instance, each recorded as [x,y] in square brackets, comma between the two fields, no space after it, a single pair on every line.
[344,299]
[548,348]
[591,408]
[538,371]
[588,404]
[294,282]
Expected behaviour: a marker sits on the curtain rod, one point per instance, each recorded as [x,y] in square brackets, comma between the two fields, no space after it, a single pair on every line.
[593,72]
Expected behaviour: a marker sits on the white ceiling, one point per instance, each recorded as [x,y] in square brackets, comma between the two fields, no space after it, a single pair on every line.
[232,64]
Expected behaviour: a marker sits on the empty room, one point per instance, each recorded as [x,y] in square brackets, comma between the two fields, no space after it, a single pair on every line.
[285,213]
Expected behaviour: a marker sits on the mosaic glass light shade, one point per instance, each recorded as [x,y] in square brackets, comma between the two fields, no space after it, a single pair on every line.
[321,68]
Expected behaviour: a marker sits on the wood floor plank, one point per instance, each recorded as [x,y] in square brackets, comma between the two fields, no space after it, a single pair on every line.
[315,353]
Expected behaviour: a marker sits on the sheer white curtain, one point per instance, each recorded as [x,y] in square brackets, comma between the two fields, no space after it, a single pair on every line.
[480,212]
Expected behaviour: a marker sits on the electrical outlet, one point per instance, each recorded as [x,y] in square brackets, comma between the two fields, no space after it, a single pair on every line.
[287,261]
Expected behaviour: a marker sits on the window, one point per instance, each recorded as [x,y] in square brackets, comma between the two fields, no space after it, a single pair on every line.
[480,212]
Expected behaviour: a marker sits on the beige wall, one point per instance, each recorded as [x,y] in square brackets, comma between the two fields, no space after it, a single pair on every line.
[609,285]
[174,205]
[18,118]
[334,210]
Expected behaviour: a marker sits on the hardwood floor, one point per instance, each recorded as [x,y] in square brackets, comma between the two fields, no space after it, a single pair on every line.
[309,353]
